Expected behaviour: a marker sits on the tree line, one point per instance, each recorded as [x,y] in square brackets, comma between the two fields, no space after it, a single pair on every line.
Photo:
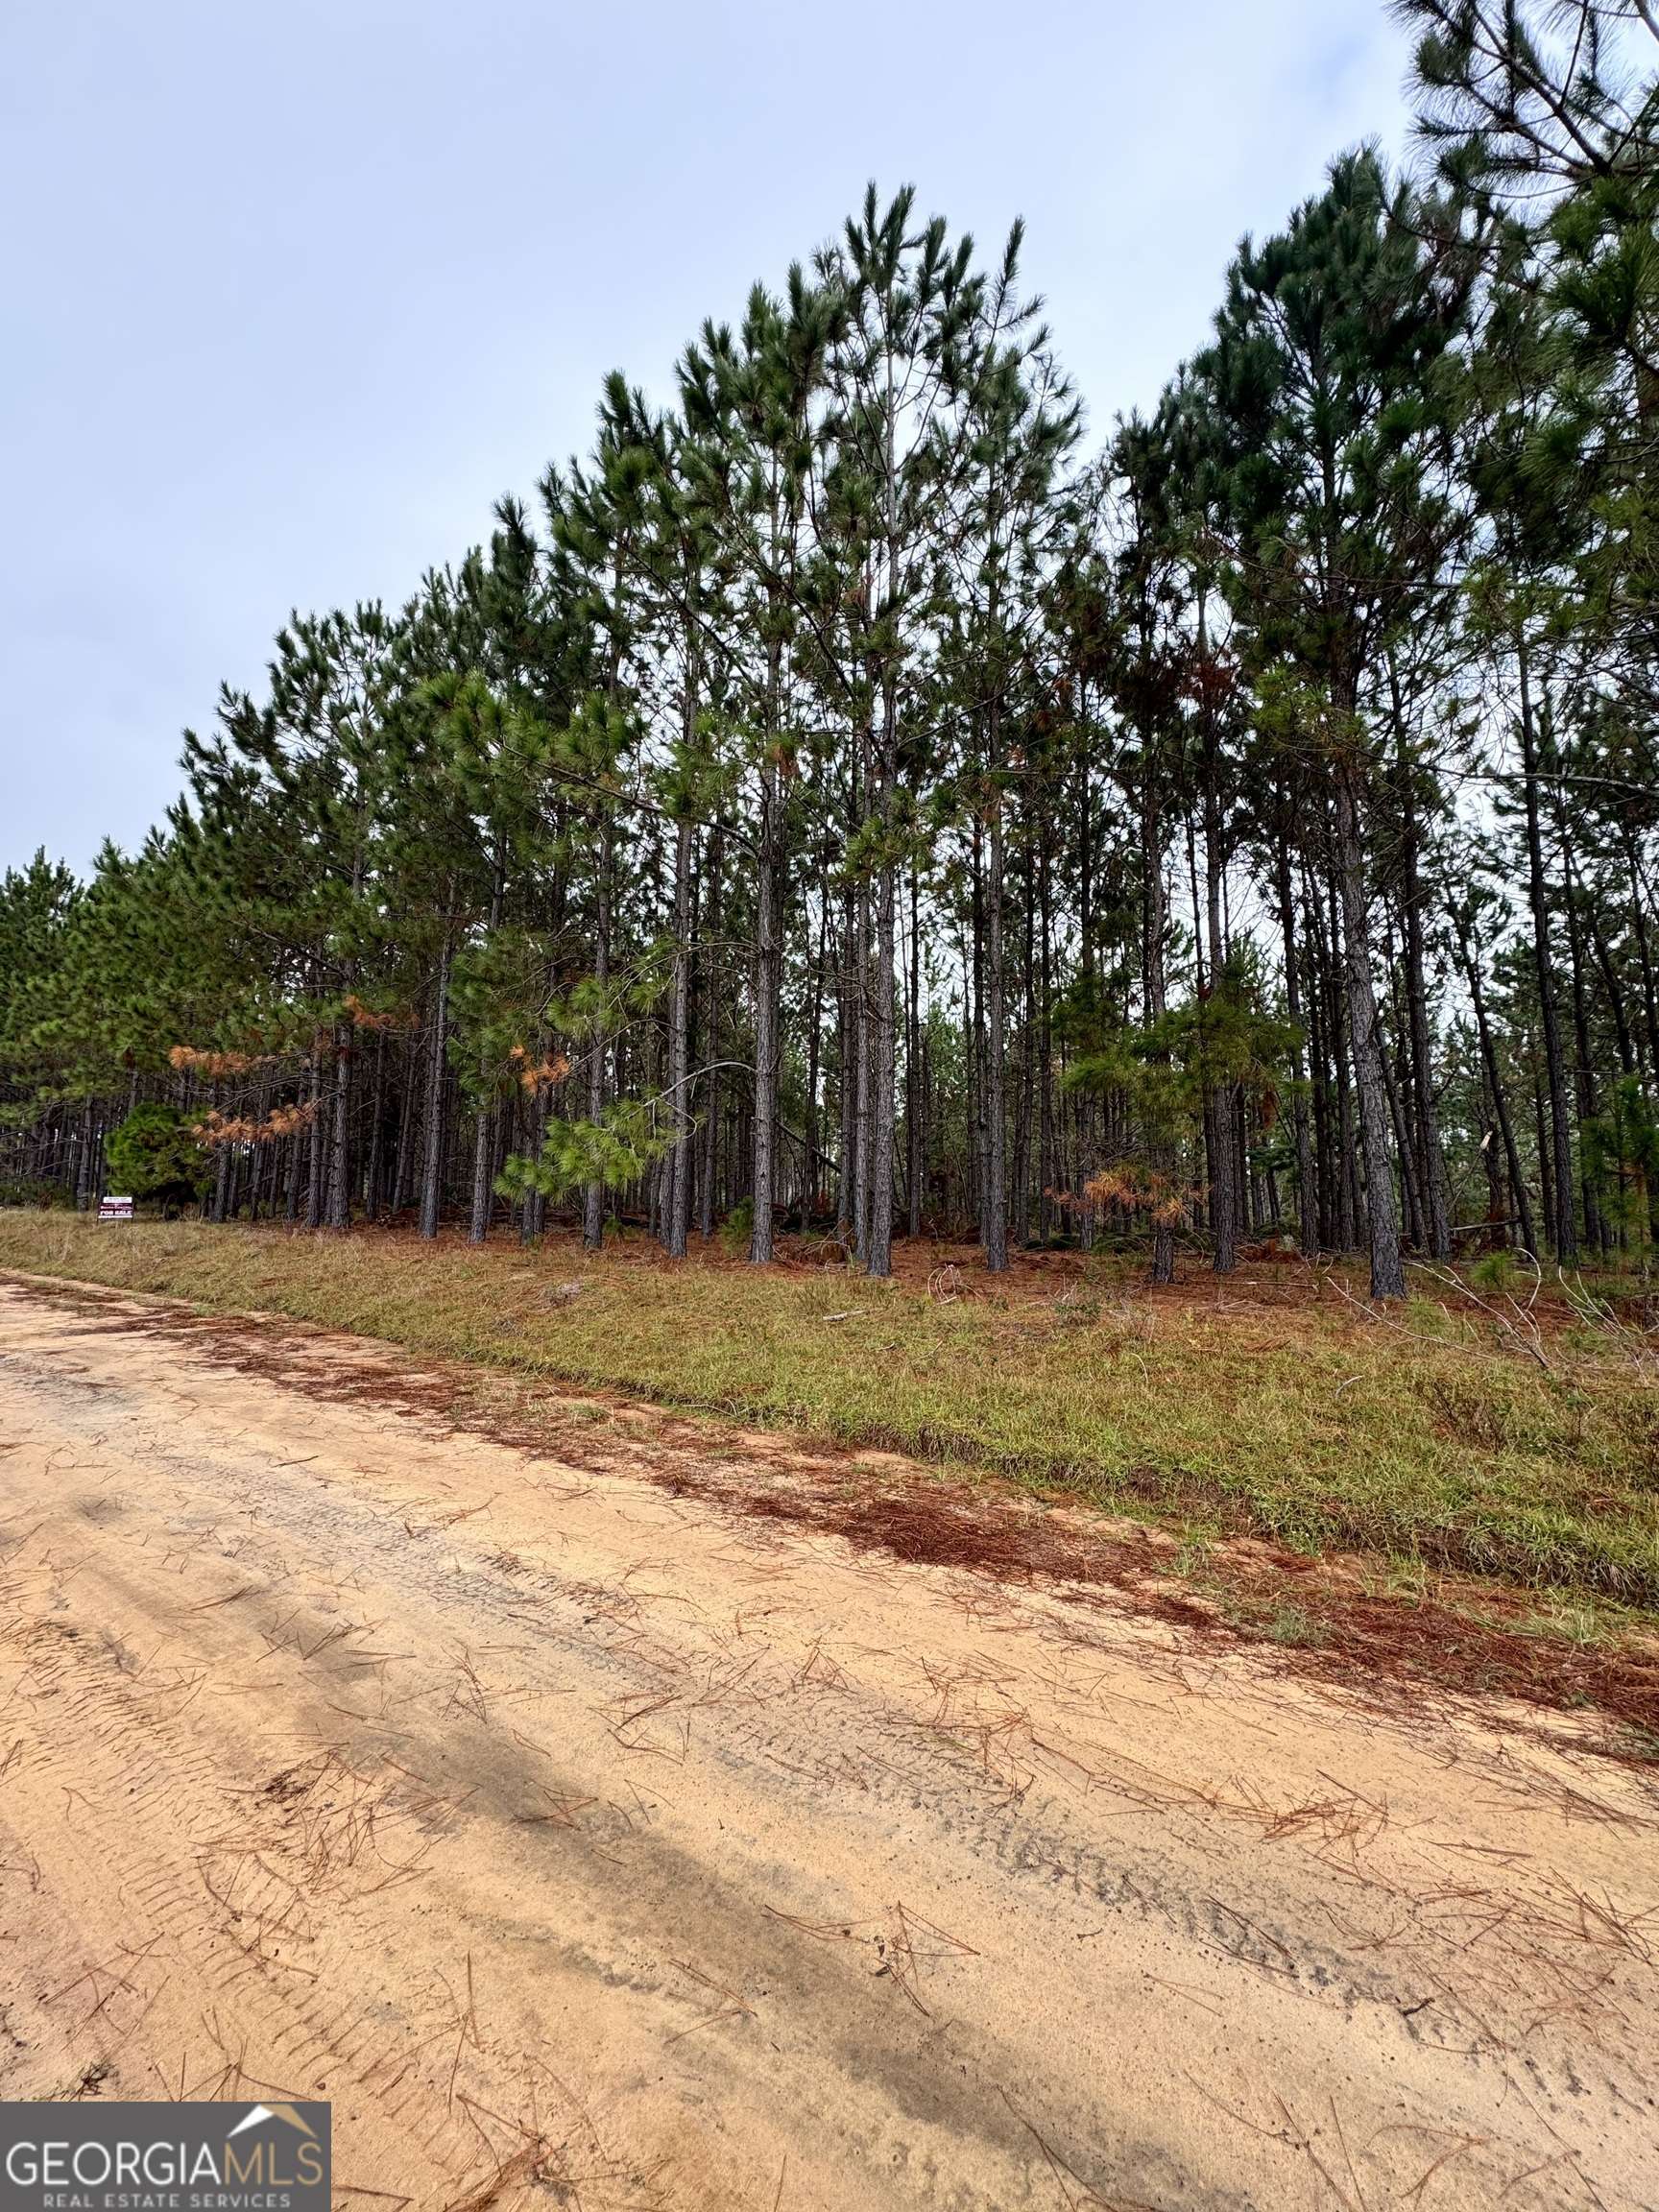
[842,802]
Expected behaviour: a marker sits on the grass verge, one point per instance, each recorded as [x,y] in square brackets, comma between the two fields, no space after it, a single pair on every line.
[1275,1408]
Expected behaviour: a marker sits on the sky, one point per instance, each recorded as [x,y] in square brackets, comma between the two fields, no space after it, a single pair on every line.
[296,291]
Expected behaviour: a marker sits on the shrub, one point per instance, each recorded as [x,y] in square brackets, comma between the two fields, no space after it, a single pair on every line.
[155,1154]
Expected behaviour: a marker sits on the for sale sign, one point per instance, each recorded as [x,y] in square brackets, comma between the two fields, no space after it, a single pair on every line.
[114,1209]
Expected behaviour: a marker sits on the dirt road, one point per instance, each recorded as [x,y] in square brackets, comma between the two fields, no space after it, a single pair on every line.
[589,1842]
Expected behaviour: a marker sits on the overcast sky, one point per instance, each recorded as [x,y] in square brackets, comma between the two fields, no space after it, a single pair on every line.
[296,291]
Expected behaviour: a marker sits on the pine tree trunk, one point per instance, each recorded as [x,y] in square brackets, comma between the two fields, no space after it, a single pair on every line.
[1628,1058]
[711,1035]
[1025,1119]
[1583,1060]
[1546,1166]
[1497,1184]
[1322,1054]
[768,997]
[1403,1147]
[1562,1219]
[994,1196]
[1220,1100]
[814,1069]
[884,1135]
[1153,923]
[846,1067]
[85,1179]
[534,1219]
[593,1194]
[317,1156]
[915,1122]
[1344,1165]
[376,1133]
[1434,1190]
[1500,1103]
[865,1085]
[1639,928]
[339,1148]
[1436,1193]
[432,1170]
[483,1162]
[1307,1193]
[403,1172]
[677,1205]
[1387,1273]
[1047,1177]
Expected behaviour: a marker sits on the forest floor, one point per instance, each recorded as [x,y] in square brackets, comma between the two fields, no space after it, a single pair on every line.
[614,1807]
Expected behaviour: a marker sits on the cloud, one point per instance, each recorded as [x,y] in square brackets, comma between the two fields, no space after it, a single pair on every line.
[302,289]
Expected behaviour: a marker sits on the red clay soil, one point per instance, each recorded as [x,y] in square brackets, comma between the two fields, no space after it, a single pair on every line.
[1465,1639]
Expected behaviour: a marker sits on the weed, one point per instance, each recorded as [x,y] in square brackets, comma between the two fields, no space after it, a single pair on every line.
[1466,1410]
[1077,1308]
[1296,1630]
[1194,1554]
[1493,1271]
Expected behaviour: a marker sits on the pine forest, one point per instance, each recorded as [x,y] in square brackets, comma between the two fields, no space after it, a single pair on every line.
[863,797]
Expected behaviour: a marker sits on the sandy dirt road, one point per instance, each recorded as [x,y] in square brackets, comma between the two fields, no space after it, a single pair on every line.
[597,1845]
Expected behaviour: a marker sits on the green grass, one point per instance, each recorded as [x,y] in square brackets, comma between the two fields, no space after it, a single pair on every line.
[1433,1443]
